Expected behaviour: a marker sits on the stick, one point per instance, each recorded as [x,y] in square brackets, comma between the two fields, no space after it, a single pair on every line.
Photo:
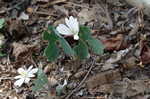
[81,81]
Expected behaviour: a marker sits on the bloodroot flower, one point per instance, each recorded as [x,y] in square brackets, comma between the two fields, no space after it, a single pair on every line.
[70,29]
[25,75]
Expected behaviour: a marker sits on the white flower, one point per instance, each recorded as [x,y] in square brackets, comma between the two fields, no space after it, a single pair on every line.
[25,75]
[71,27]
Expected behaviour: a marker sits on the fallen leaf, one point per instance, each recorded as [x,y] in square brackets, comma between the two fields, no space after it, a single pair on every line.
[52,81]
[145,52]
[103,78]
[115,43]
[61,9]
[129,63]
[127,88]
[86,15]
[16,29]
[80,74]
[49,67]
[22,51]
[109,64]
[141,4]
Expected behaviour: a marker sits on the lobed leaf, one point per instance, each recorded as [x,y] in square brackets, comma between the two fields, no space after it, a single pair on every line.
[81,50]
[40,81]
[50,34]
[96,46]
[46,35]
[66,47]
[85,33]
[52,51]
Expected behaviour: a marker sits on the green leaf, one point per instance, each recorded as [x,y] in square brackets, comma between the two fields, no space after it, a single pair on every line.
[96,46]
[2,21]
[46,35]
[40,81]
[50,34]
[51,28]
[85,33]
[81,50]
[66,47]
[52,51]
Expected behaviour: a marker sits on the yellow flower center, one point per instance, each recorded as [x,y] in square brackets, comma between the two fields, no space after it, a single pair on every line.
[24,74]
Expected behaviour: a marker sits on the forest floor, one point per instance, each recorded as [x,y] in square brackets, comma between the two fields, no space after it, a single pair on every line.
[122,72]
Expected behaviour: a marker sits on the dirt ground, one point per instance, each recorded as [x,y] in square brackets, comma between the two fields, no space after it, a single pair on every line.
[122,72]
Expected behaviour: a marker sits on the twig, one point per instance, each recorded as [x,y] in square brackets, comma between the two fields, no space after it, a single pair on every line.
[109,18]
[104,8]
[13,7]
[81,82]
[43,13]
[79,5]
[6,78]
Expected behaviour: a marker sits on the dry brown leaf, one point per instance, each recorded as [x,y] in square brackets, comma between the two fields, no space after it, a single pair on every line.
[115,43]
[145,52]
[52,81]
[126,88]
[49,67]
[80,74]
[21,50]
[17,29]
[109,64]
[51,2]
[103,78]
[141,4]
[86,15]
[129,63]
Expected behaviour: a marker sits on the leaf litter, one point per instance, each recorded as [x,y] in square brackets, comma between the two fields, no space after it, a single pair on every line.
[121,73]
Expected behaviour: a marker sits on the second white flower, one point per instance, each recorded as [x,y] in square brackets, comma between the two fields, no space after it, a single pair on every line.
[25,75]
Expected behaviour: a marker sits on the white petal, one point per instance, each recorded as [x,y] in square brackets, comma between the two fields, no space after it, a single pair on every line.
[33,71]
[21,70]
[64,30]
[76,26]
[73,24]
[76,37]
[27,80]
[17,77]
[29,69]
[69,23]
[31,75]
[19,82]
